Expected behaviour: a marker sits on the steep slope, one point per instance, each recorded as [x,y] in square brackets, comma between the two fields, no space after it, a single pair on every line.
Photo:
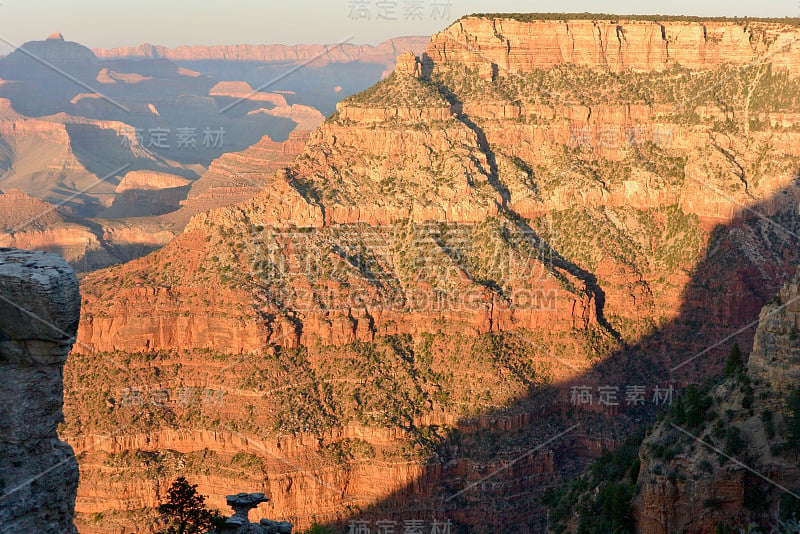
[752,418]
[722,458]
[449,243]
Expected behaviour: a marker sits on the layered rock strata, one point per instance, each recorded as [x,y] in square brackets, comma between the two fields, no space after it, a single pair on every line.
[464,232]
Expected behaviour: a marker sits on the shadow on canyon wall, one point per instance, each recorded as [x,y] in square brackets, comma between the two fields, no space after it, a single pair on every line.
[489,473]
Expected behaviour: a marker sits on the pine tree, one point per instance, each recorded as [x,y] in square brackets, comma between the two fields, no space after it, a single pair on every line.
[734,365]
[186,512]
[792,419]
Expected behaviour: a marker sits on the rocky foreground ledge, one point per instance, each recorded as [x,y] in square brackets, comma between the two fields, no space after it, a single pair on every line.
[39,313]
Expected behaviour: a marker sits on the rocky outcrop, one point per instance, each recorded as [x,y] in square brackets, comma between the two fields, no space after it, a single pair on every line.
[306,117]
[39,310]
[721,458]
[240,523]
[237,89]
[150,181]
[408,65]
[49,156]
[776,348]
[54,50]
[32,224]
[248,170]
[108,76]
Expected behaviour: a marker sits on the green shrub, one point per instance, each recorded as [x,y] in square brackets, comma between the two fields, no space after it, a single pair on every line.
[610,512]
[733,441]
[734,365]
[792,419]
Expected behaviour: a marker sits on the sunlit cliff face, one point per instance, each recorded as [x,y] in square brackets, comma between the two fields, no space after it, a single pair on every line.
[523,208]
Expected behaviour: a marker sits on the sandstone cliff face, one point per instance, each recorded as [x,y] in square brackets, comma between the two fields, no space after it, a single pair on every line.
[515,46]
[775,348]
[38,321]
[457,233]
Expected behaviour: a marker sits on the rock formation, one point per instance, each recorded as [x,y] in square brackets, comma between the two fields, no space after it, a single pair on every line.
[55,50]
[239,523]
[39,310]
[30,223]
[381,148]
[54,142]
[408,65]
[491,217]
[150,181]
[522,43]
[776,348]
[721,458]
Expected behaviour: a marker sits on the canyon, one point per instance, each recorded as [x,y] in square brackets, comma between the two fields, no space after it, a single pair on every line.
[351,67]
[391,326]
[346,52]
[119,154]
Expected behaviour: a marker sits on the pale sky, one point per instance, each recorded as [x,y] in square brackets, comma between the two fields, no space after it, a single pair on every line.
[110,23]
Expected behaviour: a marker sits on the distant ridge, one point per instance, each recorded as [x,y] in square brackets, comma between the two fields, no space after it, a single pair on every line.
[53,49]
[270,53]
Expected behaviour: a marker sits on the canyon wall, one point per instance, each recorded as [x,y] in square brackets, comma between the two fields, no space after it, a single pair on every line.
[519,44]
[701,483]
[39,310]
[775,358]
[491,155]
[466,233]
